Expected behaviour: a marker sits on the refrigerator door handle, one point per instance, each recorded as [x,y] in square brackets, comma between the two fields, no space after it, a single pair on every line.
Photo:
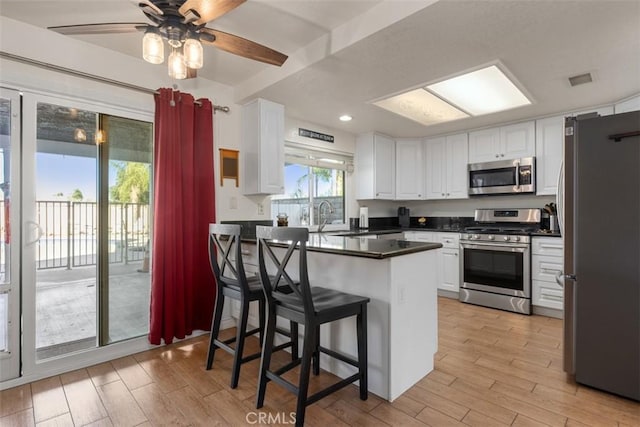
[561,277]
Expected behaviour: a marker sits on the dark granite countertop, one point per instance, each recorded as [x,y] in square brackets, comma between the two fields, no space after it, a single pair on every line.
[364,247]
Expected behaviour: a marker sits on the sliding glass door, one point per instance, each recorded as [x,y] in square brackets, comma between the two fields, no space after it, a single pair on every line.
[9,234]
[87,222]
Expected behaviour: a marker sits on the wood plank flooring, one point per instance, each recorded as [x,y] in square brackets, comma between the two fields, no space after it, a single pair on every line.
[493,368]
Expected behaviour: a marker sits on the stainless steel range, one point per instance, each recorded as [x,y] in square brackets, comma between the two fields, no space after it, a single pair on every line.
[496,259]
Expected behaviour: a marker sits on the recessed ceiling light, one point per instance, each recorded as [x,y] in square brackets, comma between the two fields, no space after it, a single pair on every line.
[483,91]
[345,118]
[422,107]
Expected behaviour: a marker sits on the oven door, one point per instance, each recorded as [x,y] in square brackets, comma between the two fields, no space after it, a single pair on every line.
[498,268]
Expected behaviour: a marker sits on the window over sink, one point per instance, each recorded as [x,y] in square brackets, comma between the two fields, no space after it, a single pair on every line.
[310,178]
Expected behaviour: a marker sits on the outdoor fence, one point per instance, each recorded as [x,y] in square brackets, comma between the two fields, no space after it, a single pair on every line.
[297,209]
[69,233]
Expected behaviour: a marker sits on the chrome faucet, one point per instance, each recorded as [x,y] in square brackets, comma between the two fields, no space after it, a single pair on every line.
[331,210]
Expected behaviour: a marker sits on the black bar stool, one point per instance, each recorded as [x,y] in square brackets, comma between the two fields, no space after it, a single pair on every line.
[232,282]
[310,306]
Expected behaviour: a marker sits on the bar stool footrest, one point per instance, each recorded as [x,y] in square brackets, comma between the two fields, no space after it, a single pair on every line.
[332,388]
[339,356]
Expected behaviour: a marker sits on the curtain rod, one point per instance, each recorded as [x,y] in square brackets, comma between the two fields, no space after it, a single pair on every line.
[93,77]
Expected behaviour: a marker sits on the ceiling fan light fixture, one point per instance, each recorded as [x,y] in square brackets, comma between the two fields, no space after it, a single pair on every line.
[177,65]
[152,46]
[193,53]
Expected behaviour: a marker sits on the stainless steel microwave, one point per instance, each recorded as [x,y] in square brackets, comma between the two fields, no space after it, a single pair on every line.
[514,176]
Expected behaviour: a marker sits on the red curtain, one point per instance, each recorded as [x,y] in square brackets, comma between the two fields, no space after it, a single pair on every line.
[182,285]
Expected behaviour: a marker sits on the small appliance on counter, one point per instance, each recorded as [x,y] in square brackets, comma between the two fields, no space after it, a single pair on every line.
[364,217]
[403,217]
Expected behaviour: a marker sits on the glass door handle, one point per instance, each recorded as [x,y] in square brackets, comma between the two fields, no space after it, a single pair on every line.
[33,224]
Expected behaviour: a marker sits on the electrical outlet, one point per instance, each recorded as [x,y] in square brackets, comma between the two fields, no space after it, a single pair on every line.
[260,209]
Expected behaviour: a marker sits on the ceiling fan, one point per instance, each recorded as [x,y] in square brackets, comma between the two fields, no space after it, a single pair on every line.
[183,24]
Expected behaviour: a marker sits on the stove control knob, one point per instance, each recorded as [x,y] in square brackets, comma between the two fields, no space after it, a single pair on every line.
[475,237]
[506,238]
[517,238]
[490,237]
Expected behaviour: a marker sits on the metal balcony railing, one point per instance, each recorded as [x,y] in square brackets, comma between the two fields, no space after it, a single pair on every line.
[70,233]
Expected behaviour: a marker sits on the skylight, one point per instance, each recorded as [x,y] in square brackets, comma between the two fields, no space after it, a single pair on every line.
[422,107]
[484,91]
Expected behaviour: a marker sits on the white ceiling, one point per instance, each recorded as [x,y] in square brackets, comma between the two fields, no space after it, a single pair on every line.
[344,54]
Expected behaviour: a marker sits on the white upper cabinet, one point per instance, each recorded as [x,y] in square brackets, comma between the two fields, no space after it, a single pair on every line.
[632,104]
[457,160]
[375,167]
[503,143]
[549,143]
[263,147]
[446,167]
[484,145]
[409,170]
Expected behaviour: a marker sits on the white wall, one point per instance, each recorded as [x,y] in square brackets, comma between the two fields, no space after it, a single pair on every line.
[463,207]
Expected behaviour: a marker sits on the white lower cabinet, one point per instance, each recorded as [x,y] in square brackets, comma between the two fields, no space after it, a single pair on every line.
[448,257]
[546,264]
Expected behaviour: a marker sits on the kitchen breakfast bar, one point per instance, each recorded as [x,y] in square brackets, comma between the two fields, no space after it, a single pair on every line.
[400,278]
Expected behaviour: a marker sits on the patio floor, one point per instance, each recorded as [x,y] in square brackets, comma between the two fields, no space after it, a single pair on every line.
[66,307]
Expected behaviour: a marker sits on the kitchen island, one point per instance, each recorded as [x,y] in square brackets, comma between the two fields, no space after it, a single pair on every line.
[401,280]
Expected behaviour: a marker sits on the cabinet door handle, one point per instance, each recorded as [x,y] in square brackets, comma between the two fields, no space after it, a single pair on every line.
[443,194]
[501,155]
[448,194]
[497,155]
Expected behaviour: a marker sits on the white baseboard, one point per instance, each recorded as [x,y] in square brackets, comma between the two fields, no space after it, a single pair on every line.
[549,312]
[447,294]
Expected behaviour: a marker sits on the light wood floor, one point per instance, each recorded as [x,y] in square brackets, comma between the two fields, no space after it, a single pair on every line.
[493,369]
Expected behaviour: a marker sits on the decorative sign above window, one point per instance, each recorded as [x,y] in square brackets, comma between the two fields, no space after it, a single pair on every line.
[315,135]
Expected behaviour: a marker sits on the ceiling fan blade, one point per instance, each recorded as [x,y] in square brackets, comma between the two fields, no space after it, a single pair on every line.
[207,10]
[243,47]
[149,6]
[105,28]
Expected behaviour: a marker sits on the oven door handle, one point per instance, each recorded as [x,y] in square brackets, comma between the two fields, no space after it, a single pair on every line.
[517,164]
[496,247]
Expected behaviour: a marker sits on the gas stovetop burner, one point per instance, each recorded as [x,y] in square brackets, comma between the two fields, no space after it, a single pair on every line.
[501,230]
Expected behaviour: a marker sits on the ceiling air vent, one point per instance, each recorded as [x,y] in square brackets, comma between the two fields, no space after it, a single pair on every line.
[581,79]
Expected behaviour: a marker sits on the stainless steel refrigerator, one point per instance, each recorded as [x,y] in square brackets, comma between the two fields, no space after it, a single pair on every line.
[600,224]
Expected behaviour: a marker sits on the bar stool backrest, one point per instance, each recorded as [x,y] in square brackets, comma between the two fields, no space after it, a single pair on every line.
[275,270]
[225,256]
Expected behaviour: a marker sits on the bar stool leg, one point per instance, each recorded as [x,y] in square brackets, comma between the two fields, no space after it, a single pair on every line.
[361,326]
[261,320]
[308,349]
[265,361]
[293,327]
[316,353]
[215,328]
[240,336]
